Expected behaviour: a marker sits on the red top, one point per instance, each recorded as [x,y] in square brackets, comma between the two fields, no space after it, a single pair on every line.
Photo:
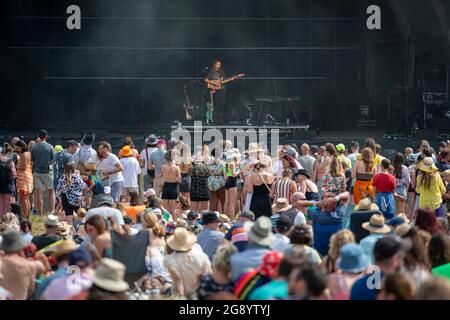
[384,182]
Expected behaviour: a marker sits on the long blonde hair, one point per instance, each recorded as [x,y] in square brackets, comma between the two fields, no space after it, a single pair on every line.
[425,179]
[338,240]
[69,170]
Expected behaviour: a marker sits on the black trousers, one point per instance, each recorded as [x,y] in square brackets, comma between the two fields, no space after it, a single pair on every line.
[219,106]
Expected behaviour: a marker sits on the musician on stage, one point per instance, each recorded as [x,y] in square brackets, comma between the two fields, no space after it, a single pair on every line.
[218,98]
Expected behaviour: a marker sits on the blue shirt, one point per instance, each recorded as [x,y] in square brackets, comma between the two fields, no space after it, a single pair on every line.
[246,260]
[61,159]
[44,284]
[361,291]
[275,289]
[210,240]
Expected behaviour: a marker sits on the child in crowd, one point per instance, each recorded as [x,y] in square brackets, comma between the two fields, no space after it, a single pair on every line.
[384,184]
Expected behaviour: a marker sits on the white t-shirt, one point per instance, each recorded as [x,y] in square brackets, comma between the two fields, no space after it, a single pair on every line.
[131,170]
[145,154]
[108,164]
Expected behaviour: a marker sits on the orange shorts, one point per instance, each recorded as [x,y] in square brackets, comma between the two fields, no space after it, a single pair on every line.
[24,193]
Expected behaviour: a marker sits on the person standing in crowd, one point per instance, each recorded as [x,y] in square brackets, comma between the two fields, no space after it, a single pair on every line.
[42,157]
[351,266]
[7,177]
[149,172]
[171,175]
[319,168]
[210,238]
[111,169]
[334,180]
[19,273]
[157,160]
[388,254]
[231,182]
[85,152]
[301,237]
[199,191]
[128,142]
[62,159]
[70,190]
[363,173]
[260,183]
[284,187]
[24,182]
[216,182]
[378,229]
[403,180]
[131,171]
[296,214]
[184,160]
[439,255]
[353,156]
[340,149]
[306,160]
[430,187]
[385,184]
[185,254]
[278,163]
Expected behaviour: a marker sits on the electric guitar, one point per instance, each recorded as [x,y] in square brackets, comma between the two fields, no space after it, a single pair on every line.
[214,85]
[187,106]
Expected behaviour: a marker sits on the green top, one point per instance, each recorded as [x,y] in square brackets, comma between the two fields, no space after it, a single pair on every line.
[442,271]
[275,289]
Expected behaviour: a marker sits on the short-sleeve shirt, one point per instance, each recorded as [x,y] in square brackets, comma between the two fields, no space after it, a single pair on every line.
[109,164]
[157,159]
[61,159]
[384,182]
[210,240]
[42,155]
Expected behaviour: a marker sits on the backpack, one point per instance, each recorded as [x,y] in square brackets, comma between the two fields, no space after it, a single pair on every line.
[6,174]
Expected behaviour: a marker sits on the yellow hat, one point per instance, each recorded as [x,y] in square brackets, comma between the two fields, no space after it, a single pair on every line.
[58,148]
[126,151]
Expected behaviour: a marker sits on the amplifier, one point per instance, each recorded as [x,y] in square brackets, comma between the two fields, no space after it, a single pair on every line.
[435,97]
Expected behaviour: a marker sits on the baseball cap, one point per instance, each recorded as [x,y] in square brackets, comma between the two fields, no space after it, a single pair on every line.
[192,215]
[80,257]
[340,147]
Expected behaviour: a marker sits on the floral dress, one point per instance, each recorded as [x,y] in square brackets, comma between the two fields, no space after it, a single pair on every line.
[333,184]
[73,192]
[199,182]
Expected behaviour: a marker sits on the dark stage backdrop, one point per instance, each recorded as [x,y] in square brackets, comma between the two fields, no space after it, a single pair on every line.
[129,62]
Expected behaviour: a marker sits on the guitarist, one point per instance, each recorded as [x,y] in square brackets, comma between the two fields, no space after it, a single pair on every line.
[218,97]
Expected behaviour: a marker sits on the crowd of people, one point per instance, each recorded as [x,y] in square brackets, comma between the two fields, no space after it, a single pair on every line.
[329,222]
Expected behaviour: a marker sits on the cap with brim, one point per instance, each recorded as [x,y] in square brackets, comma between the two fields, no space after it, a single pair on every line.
[109,276]
[260,231]
[181,240]
[340,147]
[376,225]
[58,148]
[106,200]
[388,246]
[12,241]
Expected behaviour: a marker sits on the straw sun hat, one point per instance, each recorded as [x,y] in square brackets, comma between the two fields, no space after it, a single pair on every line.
[427,165]
[181,240]
[376,224]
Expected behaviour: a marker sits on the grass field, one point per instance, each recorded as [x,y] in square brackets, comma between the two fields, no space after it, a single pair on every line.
[38,224]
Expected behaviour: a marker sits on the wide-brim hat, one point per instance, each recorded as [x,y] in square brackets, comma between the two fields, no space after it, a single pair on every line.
[427,165]
[260,231]
[181,240]
[90,166]
[151,140]
[65,247]
[376,224]
[281,205]
[63,228]
[110,275]
[352,258]
[88,138]
[12,241]
[366,205]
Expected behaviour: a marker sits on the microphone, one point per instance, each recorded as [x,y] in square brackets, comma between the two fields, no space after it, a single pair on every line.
[204,70]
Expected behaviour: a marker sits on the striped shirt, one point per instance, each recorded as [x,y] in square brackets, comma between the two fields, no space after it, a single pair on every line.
[283,189]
